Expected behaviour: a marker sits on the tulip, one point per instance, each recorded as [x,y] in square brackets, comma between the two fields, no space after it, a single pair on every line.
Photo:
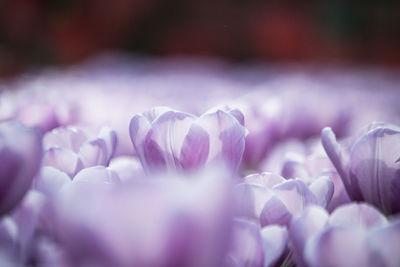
[353,235]
[165,139]
[71,149]
[271,199]
[307,162]
[20,155]
[368,165]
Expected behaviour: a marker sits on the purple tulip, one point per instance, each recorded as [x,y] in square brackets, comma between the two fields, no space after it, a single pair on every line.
[20,155]
[71,149]
[369,165]
[353,235]
[165,139]
[270,199]
[307,162]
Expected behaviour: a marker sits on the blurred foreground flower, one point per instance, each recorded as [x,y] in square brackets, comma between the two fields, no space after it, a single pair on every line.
[369,165]
[165,139]
[20,157]
[174,221]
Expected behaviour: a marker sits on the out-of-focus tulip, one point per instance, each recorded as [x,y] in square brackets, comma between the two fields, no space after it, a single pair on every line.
[71,149]
[270,199]
[307,162]
[172,221]
[165,139]
[353,235]
[369,165]
[37,107]
[20,156]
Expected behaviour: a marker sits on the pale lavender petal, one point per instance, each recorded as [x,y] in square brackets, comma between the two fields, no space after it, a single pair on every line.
[274,239]
[69,137]
[51,180]
[110,138]
[265,179]
[338,246]
[62,159]
[275,212]
[294,169]
[250,200]
[309,223]
[386,241]
[195,148]
[247,246]
[138,129]
[323,189]
[340,160]
[295,195]
[227,137]
[96,174]
[166,138]
[357,215]
[238,115]
[127,168]
[375,170]
[93,153]
[340,196]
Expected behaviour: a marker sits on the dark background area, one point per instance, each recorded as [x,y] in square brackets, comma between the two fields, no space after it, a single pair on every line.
[43,32]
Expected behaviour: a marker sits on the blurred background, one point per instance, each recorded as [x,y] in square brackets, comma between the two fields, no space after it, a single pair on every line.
[63,32]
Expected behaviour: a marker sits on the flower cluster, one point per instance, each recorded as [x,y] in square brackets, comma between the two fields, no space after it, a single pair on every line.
[248,178]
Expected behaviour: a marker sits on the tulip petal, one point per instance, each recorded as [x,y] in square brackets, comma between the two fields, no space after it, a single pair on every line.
[70,137]
[110,138]
[127,168]
[246,246]
[295,195]
[51,180]
[227,137]
[265,179]
[309,223]
[138,129]
[275,212]
[274,239]
[373,166]
[195,148]
[357,215]
[323,189]
[386,240]
[62,159]
[93,153]
[97,175]
[251,199]
[166,138]
[340,160]
[338,246]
